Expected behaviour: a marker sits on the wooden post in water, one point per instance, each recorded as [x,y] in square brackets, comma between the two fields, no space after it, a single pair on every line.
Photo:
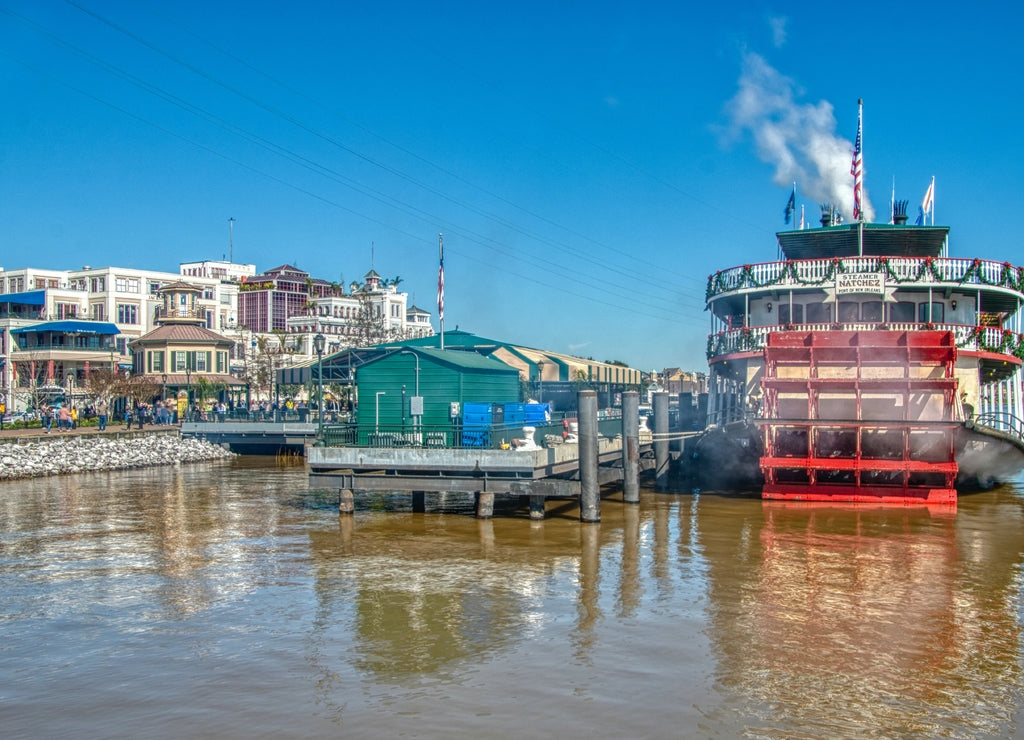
[347,504]
[660,409]
[484,504]
[590,490]
[631,447]
[419,502]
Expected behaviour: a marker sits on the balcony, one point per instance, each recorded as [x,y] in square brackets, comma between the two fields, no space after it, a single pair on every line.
[897,271]
[191,314]
[968,338]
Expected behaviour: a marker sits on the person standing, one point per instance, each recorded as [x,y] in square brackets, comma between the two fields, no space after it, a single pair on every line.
[101,412]
[46,416]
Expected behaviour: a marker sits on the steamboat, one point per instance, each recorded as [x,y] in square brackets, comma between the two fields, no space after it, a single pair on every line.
[864,365]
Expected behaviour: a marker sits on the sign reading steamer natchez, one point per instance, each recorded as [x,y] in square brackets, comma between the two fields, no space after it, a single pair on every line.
[864,282]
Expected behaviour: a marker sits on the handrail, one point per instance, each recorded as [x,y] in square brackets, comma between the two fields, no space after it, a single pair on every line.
[896,270]
[1004,421]
[967,337]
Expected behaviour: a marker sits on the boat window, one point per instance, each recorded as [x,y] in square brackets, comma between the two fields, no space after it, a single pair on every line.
[902,312]
[819,313]
[871,311]
[937,316]
[796,318]
[849,311]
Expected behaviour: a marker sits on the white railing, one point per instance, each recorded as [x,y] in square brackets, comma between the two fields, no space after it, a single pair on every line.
[934,270]
[970,338]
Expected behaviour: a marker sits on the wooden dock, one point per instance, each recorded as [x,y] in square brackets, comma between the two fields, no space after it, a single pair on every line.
[567,470]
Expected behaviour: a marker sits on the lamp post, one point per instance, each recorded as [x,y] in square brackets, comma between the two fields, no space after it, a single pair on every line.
[163,387]
[376,419]
[319,342]
[417,403]
[188,393]
[540,381]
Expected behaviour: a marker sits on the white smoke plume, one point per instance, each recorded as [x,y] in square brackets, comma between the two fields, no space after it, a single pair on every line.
[798,139]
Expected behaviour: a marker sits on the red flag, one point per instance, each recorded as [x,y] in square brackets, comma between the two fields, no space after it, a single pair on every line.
[440,281]
[857,167]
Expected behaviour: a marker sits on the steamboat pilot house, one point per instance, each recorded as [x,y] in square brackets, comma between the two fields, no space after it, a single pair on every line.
[836,330]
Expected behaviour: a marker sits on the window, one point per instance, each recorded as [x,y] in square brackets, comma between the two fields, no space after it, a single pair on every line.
[202,362]
[127,313]
[179,361]
[154,288]
[871,311]
[157,360]
[935,316]
[902,312]
[819,313]
[98,284]
[797,317]
[98,312]
[849,311]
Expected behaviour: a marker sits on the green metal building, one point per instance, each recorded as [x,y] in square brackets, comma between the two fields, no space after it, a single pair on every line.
[389,383]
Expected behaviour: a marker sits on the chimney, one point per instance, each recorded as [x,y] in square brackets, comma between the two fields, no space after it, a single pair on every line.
[899,213]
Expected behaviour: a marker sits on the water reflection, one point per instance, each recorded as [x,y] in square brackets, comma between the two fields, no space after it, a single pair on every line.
[885,614]
[208,587]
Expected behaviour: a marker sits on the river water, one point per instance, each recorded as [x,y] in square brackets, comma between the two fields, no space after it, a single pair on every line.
[230,600]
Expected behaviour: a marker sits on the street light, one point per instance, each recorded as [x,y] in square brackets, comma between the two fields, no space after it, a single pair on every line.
[376,420]
[417,401]
[319,342]
[163,389]
[188,392]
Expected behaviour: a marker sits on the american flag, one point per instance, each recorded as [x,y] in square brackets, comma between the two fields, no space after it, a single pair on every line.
[857,167]
[440,281]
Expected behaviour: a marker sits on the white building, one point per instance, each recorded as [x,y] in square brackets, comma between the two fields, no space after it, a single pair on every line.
[125,297]
[344,320]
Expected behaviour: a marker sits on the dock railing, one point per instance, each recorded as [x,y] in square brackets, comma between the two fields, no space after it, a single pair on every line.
[453,436]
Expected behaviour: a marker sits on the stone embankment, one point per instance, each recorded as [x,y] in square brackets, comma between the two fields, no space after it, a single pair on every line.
[59,454]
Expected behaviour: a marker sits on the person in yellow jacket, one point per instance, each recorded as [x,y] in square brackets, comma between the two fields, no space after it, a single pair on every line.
[74,417]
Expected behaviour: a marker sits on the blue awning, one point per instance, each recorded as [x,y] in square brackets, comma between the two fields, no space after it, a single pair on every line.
[70,327]
[28,298]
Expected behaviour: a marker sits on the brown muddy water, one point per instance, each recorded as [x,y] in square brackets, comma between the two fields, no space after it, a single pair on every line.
[230,600]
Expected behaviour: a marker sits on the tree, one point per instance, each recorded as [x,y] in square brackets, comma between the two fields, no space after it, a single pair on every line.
[370,326]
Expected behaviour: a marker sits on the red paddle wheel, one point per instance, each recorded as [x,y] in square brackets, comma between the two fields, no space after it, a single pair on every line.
[864,416]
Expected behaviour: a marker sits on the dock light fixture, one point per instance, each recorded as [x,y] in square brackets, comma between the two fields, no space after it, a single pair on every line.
[319,342]
[769,306]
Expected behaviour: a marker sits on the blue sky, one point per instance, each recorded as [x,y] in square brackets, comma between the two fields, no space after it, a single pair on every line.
[589,164]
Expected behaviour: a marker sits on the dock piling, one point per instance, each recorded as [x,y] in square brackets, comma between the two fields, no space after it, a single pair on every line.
[484,505]
[590,493]
[347,502]
[631,447]
[661,456]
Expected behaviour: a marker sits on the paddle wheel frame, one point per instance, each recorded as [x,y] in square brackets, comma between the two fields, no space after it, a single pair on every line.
[860,416]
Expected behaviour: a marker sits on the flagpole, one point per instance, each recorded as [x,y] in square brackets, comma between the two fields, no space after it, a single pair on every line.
[933,200]
[857,166]
[440,286]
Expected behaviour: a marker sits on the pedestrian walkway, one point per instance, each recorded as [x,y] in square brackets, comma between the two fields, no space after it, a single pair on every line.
[14,435]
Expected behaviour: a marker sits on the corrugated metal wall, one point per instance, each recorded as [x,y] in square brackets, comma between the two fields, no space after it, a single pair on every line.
[440,384]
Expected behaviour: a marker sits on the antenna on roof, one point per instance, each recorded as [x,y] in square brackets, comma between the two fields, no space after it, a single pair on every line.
[231,239]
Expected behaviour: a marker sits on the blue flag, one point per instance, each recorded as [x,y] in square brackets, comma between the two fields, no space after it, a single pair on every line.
[791,205]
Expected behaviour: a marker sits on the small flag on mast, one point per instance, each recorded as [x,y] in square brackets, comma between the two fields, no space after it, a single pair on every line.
[440,280]
[928,203]
[791,205]
[857,166]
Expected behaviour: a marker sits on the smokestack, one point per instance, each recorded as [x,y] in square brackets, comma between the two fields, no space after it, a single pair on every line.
[826,214]
[899,213]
